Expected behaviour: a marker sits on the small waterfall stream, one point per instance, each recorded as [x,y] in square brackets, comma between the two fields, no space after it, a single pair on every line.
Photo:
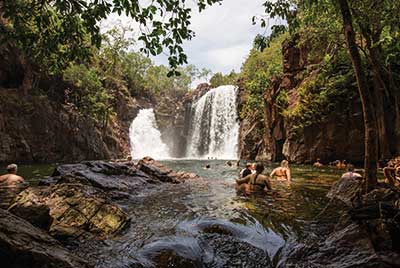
[214,126]
[145,137]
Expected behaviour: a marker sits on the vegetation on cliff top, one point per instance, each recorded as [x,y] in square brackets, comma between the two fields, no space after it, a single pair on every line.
[329,31]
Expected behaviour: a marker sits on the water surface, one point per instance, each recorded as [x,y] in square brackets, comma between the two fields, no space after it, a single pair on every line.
[205,223]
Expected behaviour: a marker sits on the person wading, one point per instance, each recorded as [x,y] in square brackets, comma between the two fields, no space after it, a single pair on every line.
[253,183]
[246,171]
[11,178]
[283,172]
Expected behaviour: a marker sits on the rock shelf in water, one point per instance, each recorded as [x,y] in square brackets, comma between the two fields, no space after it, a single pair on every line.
[77,202]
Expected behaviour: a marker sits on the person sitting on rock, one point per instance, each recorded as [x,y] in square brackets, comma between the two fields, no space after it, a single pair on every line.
[254,182]
[318,163]
[246,171]
[350,174]
[11,178]
[283,172]
[392,170]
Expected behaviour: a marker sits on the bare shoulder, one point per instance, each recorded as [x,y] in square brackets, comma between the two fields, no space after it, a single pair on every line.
[4,177]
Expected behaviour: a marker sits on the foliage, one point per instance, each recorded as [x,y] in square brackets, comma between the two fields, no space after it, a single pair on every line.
[158,82]
[219,79]
[54,33]
[261,42]
[116,69]
[257,71]
[88,93]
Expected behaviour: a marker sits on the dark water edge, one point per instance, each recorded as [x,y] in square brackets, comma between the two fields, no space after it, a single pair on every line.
[204,223]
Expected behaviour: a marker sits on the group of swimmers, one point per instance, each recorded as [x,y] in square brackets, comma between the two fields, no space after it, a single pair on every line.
[340,164]
[252,180]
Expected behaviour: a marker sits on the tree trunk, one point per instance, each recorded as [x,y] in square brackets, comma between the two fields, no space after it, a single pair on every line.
[371,148]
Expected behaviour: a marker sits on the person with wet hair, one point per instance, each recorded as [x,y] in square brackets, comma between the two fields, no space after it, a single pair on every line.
[350,174]
[11,178]
[256,182]
[318,163]
[282,172]
[246,171]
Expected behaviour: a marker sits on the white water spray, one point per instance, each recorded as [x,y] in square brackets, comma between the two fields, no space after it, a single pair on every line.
[146,138]
[214,126]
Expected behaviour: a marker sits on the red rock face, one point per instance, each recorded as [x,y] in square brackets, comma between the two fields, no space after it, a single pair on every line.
[340,136]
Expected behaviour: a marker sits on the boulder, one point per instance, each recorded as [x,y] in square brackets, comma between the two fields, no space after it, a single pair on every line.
[25,246]
[346,190]
[70,210]
[162,173]
[347,247]
[117,176]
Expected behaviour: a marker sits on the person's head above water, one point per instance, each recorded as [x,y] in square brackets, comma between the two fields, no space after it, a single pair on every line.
[248,165]
[285,164]
[12,168]
[259,168]
[350,168]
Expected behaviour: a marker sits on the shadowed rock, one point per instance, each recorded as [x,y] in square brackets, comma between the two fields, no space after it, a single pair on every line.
[347,247]
[25,246]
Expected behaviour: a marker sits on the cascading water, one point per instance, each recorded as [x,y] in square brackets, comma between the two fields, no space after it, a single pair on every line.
[146,138]
[214,126]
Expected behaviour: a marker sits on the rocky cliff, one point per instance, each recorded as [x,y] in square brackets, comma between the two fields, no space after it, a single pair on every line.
[338,136]
[37,129]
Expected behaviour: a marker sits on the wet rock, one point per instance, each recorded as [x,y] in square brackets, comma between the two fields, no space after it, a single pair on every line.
[347,247]
[70,210]
[162,173]
[25,246]
[120,177]
[347,190]
[231,252]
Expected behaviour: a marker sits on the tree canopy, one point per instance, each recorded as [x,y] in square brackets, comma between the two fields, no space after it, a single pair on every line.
[53,33]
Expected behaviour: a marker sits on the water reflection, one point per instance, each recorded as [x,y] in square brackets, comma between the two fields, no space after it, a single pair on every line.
[8,193]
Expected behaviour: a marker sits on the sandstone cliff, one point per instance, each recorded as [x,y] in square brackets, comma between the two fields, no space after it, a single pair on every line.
[273,138]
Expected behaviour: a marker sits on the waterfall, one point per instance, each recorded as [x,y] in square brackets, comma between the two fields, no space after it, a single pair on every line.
[214,127]
[145,137]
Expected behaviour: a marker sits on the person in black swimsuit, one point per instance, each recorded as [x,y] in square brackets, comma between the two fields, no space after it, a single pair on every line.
[254,182]
[246,171]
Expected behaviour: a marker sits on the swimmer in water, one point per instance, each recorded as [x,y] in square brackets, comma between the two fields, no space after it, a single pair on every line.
[11,178]
[283,172]
[350,174]
[246,171]
[254,182]
[318,163]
